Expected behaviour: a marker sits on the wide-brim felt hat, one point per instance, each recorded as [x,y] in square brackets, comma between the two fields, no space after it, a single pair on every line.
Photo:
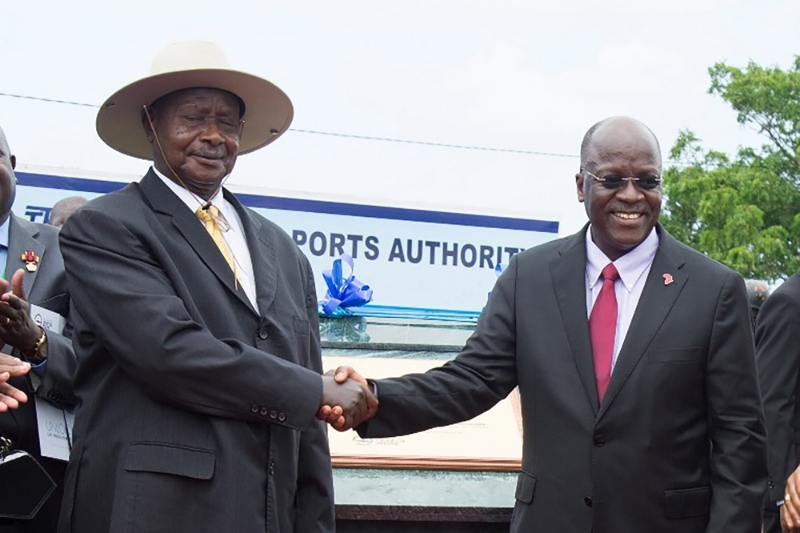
[185,65]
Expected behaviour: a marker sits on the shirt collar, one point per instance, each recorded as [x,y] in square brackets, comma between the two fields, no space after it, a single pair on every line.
[630,266]
[191,200]
[4,229]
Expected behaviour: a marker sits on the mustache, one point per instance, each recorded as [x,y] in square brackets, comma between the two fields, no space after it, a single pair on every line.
[212,154]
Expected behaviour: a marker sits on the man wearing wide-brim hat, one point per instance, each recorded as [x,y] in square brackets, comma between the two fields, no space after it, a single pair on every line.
[196,325]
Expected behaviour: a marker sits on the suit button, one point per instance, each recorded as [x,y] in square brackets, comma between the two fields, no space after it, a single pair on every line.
[255,408]
[263,333]
[599,440]
[273,414]
[588,501]
[264,411]
[281,417]
[272,468]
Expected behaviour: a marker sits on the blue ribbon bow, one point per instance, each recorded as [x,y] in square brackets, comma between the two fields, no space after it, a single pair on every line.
[343,293]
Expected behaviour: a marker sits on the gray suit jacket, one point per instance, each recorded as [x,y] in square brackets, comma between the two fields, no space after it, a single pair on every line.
[778,361]
[46,287]
[678,444]
[197,411]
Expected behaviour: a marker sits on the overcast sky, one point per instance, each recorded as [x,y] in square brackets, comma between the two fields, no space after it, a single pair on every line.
[509,74]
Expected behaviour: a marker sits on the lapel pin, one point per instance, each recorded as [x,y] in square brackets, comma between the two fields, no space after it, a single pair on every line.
[31,260]
[668,279]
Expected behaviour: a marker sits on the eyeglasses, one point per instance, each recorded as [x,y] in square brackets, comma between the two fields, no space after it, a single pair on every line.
[614,182]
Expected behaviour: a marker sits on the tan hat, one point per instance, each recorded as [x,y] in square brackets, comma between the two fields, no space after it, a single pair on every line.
[268,111]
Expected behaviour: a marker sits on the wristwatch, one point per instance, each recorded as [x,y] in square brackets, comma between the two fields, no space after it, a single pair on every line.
[37,348]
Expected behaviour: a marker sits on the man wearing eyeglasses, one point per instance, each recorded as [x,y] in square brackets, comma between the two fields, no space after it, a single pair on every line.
[633,355]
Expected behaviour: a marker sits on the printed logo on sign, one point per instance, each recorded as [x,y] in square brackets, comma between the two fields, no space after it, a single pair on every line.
[33,212]
[45,323]
[56,429]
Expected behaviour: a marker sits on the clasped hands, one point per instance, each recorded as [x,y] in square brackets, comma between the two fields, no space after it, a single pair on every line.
[19,330]
[347,399]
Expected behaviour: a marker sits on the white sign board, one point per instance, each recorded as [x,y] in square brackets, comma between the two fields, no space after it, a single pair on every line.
[411,258]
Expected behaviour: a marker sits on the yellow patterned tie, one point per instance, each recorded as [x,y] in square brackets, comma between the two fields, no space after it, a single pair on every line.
[209,217]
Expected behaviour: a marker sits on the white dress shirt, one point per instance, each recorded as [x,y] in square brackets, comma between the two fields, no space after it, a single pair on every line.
[633,268]
[234,237]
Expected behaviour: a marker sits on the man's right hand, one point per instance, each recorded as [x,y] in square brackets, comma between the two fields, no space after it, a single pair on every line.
[10,397]
[345,403]
[14,366]
[790,510]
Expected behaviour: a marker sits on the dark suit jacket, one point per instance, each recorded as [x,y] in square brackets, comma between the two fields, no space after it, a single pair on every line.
[678,444]
[197,411]
[778,361]
[46,287]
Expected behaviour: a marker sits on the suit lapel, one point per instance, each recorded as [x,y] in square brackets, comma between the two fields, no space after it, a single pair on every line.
[22,238]
[186,222]
[569,281]
[262,254]
[658,297]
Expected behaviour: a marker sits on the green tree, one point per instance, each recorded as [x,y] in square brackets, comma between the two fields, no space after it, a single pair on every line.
[743,211]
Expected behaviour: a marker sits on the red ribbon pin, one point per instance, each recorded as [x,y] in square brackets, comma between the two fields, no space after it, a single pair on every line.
[668,279]
[31,260]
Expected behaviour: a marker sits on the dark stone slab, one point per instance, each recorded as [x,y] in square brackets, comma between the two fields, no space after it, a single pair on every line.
[372,526]
[423,488]
[395,513]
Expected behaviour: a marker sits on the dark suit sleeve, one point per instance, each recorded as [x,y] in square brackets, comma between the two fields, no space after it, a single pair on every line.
[128,300]
[778,359]
[53,381]
[484,373]
[315,504]
[56,379]
[736,421]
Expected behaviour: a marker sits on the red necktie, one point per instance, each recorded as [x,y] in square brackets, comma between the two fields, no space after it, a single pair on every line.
[603,329]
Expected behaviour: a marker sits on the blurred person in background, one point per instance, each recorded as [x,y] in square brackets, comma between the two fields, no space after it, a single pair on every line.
[64,208]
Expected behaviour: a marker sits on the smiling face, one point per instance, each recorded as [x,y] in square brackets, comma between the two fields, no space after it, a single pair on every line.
[621,218]
[198,130]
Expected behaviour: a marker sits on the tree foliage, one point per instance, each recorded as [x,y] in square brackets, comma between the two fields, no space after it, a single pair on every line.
[743,211]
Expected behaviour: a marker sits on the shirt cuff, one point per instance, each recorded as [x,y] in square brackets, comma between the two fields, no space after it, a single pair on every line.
[39,368]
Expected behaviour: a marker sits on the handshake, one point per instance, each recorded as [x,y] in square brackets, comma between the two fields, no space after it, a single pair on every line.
[347,399]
